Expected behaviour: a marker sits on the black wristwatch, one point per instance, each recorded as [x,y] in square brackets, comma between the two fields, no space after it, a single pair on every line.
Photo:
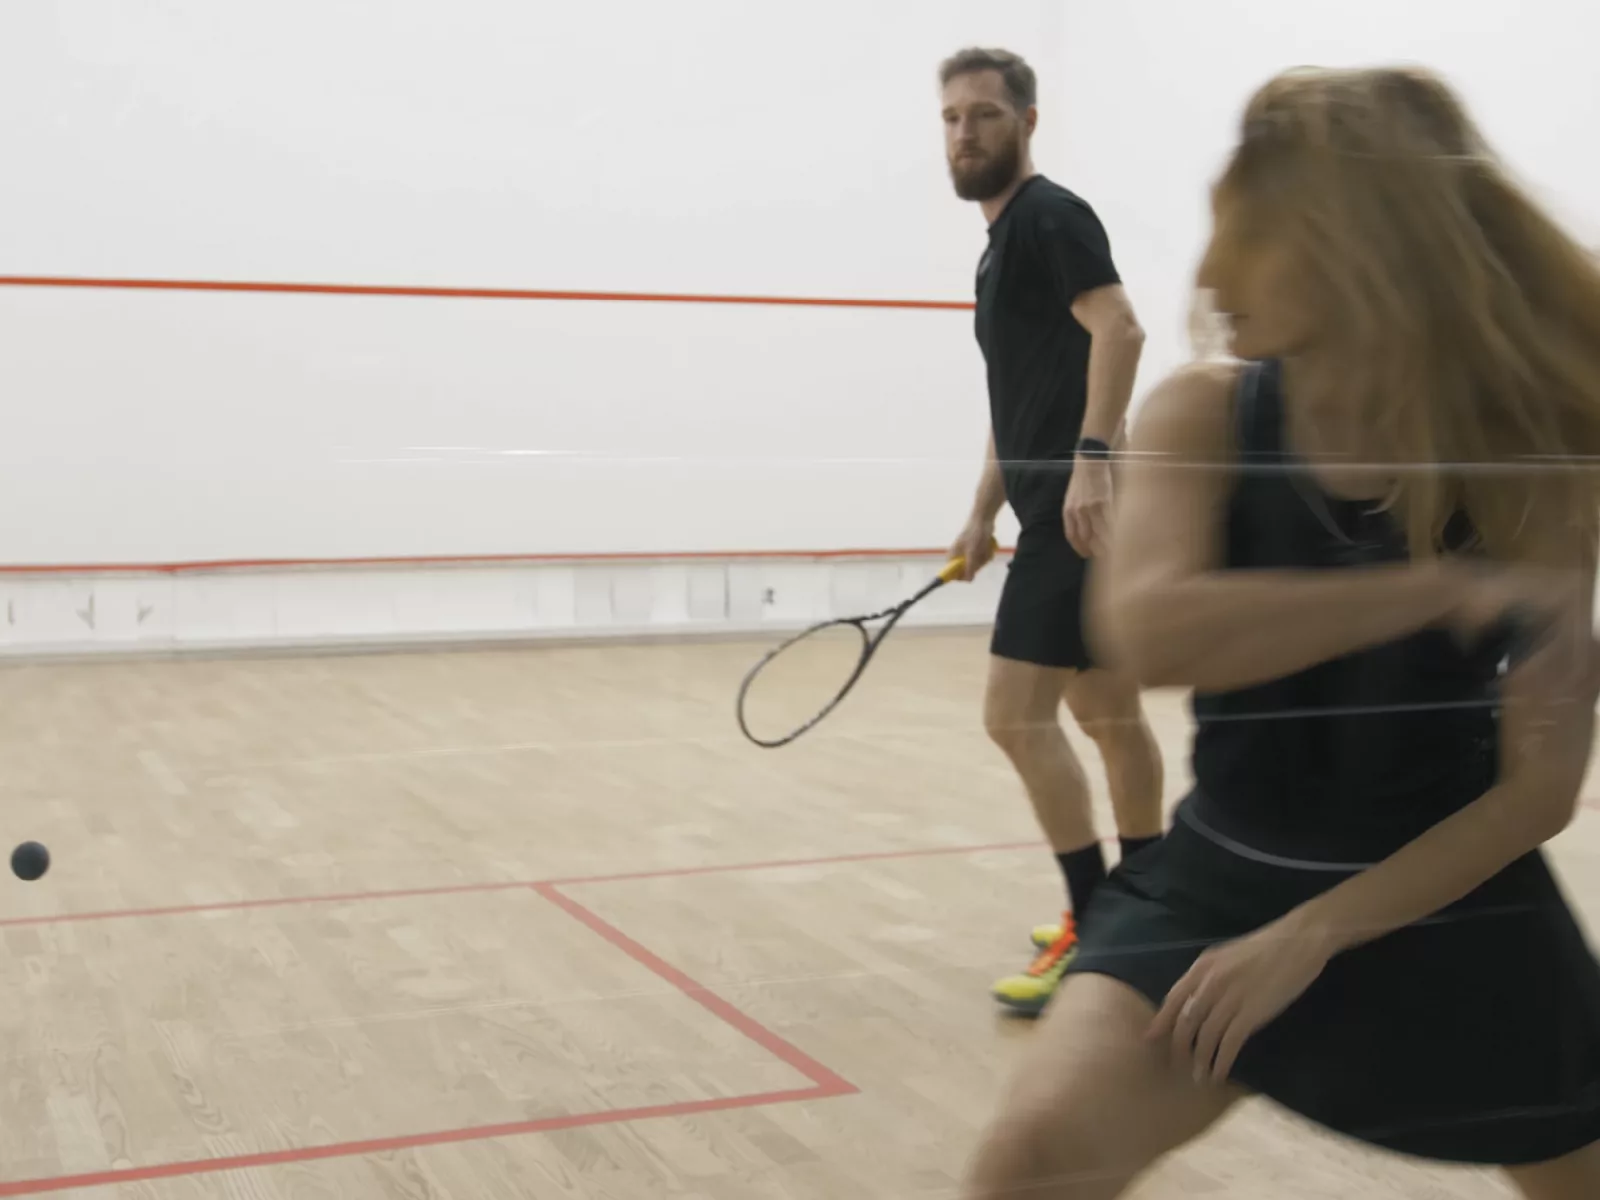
[1093,450]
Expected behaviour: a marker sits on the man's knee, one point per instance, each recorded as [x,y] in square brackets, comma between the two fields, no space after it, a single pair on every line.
[1021,705]
[1013,727]
[1106,705]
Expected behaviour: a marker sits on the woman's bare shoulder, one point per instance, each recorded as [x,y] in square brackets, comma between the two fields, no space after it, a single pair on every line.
[1189,412]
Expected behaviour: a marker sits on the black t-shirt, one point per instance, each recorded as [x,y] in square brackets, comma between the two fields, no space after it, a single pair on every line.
[1045,250]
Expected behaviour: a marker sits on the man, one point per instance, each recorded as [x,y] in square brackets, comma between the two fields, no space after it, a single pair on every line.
[1062,347]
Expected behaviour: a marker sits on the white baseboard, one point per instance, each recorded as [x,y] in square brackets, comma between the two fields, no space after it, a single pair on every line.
[337,608]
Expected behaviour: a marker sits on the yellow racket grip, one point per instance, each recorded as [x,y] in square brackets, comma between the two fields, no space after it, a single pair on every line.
[954,568]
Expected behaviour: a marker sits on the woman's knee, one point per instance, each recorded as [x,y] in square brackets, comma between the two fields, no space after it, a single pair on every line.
[1575,1176]
[1097,1103]
[1051,1151]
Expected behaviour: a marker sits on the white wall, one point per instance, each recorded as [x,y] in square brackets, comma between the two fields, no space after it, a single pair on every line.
[1152,93]
[708,146]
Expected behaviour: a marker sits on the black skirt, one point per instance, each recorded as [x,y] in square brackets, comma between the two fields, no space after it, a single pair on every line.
[1473,1037]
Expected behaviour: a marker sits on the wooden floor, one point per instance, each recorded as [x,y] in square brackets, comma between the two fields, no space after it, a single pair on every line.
[289,946]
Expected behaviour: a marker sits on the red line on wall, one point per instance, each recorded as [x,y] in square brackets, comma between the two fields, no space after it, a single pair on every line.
[330,289]
[283,564]
[462,293]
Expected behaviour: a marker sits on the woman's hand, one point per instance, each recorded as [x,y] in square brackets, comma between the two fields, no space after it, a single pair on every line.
[1488,595]
[1232,990]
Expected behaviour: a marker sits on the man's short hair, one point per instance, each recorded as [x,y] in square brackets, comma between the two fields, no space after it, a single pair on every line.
[1022,85]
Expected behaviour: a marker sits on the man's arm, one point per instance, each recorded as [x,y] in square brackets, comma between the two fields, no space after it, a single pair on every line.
[1075,249]
[991,497]
[1116,343]
[974,545]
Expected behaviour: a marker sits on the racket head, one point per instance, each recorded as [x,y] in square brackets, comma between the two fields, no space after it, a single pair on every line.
[802,680]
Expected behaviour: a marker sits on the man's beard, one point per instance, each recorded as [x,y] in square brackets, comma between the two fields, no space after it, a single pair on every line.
[986,178]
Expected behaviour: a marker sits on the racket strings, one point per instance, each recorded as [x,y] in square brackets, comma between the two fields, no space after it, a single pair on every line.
[802,680]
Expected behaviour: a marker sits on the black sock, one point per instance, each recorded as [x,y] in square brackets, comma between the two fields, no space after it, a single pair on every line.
[1085,870]
[1132,846]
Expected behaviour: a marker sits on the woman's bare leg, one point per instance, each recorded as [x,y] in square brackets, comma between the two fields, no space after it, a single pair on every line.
[1575,1177]
[1096,1104]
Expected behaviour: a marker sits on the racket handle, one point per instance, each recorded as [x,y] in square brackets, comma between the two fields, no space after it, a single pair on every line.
[954,569]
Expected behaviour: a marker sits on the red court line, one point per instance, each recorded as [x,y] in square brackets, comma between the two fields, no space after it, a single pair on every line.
[183,910]
[773,864]
[776,864]
[463,293]
[825,1083]
[303,1154]
[829,1083]
[175,910]
[643,556]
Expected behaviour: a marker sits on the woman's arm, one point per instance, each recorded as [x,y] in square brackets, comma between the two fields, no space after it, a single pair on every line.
[1196,631]
[1161,606]
[1547,727]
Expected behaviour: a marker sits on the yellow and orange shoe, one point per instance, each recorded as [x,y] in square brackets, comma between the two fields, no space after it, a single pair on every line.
[1030,991]
[1045,936]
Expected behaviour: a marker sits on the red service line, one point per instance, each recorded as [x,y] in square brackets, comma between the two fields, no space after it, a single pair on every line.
[465,293]
[822,1082]
[825,1081]
[201,566]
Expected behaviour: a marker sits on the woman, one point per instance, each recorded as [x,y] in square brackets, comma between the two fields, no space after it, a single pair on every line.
[1351,914]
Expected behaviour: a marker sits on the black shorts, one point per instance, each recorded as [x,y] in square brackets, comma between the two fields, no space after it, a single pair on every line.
[1471,1037]
[1040,618]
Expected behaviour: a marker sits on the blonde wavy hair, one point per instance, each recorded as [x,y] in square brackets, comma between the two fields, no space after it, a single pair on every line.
[1469,320]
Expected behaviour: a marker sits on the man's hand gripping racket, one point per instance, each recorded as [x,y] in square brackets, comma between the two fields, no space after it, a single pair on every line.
[802,680]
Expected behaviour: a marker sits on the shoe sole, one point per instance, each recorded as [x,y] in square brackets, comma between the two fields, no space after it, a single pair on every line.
[1022,1007]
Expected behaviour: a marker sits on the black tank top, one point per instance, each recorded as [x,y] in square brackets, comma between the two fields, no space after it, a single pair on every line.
[1345,762]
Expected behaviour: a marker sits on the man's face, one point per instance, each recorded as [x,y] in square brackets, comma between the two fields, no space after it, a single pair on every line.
[984,136]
